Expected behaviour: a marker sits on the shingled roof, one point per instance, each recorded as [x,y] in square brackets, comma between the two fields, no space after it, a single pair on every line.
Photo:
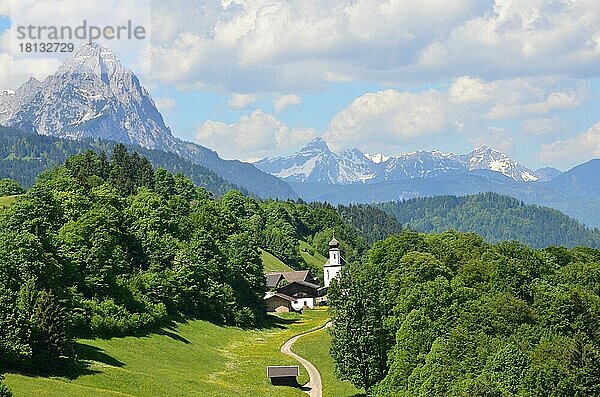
[274,278]
[281,371]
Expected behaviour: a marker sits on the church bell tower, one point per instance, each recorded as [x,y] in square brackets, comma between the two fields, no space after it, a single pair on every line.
[334,264]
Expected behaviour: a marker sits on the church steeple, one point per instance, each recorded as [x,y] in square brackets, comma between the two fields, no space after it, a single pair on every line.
[335,262]
[334,243]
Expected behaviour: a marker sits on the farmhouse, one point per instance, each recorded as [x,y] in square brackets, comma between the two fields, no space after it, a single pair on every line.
[279,303]
[277,279]
[299,290]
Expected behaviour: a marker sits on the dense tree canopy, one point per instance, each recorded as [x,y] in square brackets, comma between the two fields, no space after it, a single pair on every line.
[494,217]
[450,315]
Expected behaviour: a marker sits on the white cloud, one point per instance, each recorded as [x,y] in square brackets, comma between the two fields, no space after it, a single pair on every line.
[469,90]
[555,101]
[5,6]
[375,121]
[389,116]
[286,45]
[575,150]
[282,102]
[165,104]
[303,45]
[255,136]
[72,13]
[240,101]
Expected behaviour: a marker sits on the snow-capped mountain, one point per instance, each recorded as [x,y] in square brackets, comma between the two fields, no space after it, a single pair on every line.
[377,157]
[485,158]
[419,164]
[90,96]
[316,163]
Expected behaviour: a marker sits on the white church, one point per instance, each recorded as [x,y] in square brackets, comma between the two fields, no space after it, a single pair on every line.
[334,264]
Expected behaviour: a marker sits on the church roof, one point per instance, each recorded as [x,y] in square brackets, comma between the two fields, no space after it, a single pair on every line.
[334,243]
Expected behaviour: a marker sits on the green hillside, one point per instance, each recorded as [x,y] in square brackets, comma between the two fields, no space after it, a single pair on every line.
[272,264]
[111,247]
[7,201]
[310,256]
[195,358]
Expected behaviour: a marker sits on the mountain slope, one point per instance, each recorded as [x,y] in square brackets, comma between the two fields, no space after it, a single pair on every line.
[494,217]
[583,179]
[485,158]
[92,95]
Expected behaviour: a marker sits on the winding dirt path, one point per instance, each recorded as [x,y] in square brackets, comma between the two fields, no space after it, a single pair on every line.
[314,388]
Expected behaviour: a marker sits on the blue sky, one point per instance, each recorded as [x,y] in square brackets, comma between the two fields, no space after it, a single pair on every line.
[257,78]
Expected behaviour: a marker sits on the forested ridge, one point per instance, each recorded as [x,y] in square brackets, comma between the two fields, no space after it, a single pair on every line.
[24,156]
[108,246]
[494,217]
[451,315]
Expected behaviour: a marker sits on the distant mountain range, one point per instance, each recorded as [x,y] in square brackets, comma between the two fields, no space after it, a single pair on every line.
[316,163]
[92,95]
[318,174]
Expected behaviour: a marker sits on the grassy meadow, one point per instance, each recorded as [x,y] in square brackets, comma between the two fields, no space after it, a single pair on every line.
[189,359]
[272,263]
[315,348]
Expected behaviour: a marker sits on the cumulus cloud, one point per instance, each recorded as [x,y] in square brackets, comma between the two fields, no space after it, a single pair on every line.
[240,101]
[255,136]
[575,150]
[470,90]
[5,8]
[376,120]
[287,45]
[555,101]
[389,116]
[282,102]
[72,13]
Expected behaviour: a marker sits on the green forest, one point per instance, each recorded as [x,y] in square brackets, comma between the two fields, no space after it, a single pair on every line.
[24,156]
[109,246]
[451,315]
[494,217]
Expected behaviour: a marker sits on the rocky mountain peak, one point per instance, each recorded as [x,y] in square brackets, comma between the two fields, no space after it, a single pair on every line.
[94,59]
[92,95]
[317,144]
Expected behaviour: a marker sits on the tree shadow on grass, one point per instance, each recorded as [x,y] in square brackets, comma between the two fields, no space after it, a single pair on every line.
[172,332]
[88,353]
[277,322]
